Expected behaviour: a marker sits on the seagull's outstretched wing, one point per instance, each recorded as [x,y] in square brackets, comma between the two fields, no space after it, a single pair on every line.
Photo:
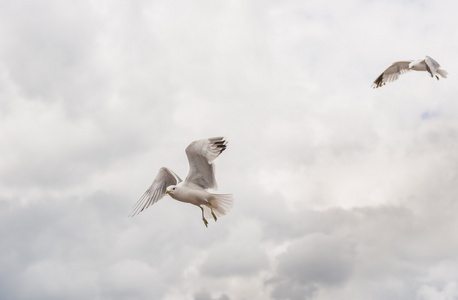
[201,154]
[430,61]
[392,73]
[164,178]
[431,65]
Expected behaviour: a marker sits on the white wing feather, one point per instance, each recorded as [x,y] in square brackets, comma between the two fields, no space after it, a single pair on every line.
[431,65]
[164,178]
[201,154]
[431,62]
[392,73]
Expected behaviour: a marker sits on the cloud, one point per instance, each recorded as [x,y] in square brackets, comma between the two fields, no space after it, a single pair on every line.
[341,192]
[207,296]
[354,253]
[314,260]
[240,254]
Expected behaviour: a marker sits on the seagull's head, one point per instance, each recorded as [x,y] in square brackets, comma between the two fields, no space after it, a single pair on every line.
[413,65]
[170,189]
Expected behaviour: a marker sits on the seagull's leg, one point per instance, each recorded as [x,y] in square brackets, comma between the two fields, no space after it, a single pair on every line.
[437,77]
[203,217]
[213,214]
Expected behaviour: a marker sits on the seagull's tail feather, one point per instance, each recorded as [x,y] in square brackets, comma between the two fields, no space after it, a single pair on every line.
[220,203]
[442,73]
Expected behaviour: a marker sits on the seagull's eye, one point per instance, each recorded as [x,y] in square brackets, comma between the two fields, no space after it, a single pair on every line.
[173,189]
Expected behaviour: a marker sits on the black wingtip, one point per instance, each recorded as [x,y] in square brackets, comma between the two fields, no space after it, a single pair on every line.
[220,143]
[378,82]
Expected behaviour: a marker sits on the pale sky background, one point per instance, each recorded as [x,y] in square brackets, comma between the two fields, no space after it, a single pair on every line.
[341,191]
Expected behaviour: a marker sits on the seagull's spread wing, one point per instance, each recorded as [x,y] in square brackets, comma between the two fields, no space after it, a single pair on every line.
[431,65]
[201,154]
[164,178]
[431,62]
[392,73]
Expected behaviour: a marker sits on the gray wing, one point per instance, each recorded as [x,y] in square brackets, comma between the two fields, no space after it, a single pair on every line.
[201,154]
[392,73]
[164,178]
[431,65]
[432,62]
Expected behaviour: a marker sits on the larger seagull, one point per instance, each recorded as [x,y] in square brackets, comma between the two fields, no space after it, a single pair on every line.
[400,67]
[193,189]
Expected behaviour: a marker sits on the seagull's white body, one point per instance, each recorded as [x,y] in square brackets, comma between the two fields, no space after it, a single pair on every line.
[400,67]
[193,189]
[189,194]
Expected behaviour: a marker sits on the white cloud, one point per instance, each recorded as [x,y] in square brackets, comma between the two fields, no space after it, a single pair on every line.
[241,254]
[341,191]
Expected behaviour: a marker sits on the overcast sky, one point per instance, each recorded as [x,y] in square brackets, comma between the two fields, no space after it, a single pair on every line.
[341,191]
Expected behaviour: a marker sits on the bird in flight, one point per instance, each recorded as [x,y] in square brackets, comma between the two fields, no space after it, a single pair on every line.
[193,189]
[400,67]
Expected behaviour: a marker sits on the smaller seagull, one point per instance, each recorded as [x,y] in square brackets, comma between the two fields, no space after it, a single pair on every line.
[400,67]
[201,177]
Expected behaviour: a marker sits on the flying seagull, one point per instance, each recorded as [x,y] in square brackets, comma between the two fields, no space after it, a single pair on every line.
[400,67]
[201,177]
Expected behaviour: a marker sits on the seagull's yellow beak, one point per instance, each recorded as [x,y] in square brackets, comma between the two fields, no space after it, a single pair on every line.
[409,68]
[166,192]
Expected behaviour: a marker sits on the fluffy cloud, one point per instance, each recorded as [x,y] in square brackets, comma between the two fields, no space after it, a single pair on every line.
[341,191]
